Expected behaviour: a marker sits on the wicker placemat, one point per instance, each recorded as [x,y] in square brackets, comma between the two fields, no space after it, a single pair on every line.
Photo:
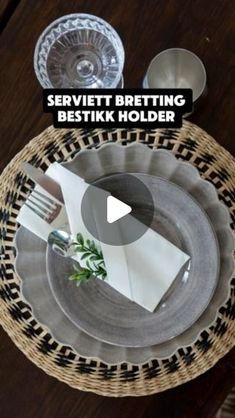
[189,143]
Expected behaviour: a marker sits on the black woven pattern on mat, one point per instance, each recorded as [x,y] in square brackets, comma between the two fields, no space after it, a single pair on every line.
[63,356]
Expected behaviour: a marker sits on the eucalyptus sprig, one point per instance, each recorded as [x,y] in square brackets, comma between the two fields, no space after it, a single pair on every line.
[95,266]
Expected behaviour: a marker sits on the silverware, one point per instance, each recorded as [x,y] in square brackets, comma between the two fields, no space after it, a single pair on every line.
[177,68]
[43,180]
[60,242]
[43,206]
[48,209]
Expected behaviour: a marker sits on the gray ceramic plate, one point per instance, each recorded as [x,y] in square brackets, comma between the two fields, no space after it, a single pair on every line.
[107,315]
[92,164]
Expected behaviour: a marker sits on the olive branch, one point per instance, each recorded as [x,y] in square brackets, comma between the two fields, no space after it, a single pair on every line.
[95,266]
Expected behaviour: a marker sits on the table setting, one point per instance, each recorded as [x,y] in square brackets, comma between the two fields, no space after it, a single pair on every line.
[119,317]
[55,332]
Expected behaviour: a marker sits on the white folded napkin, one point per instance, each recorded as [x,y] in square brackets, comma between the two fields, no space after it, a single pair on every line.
[142,271]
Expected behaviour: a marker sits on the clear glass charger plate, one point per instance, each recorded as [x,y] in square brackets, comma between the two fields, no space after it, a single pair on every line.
[93,164]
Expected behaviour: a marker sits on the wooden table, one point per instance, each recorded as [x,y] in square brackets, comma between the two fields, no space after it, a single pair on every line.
[146,27]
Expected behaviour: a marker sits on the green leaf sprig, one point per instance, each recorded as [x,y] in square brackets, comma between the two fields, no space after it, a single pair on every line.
[95,266]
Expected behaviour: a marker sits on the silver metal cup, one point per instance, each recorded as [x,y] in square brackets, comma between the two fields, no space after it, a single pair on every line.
[177,68]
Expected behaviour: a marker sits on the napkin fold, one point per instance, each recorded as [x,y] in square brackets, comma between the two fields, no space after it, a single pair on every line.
[142,271]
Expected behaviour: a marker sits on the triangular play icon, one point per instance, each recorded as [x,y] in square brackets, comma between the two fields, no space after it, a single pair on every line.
[116,209]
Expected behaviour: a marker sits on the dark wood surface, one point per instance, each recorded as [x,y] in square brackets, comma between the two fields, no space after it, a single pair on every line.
[146,27]
[7,8]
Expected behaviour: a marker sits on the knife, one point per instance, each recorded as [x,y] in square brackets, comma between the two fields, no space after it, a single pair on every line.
[43,180]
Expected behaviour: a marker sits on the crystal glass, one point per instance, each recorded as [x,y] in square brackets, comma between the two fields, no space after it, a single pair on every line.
[79,51]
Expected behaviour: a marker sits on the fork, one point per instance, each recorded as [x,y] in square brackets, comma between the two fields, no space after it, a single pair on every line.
[47,209]
[43,206]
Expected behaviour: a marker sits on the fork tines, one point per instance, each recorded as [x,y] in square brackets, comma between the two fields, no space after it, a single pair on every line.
[43,206]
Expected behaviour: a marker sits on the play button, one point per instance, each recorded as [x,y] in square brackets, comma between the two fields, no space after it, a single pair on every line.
[116,209]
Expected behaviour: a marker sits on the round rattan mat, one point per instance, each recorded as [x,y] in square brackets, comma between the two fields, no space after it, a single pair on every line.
[90,374]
